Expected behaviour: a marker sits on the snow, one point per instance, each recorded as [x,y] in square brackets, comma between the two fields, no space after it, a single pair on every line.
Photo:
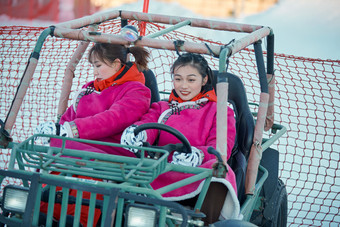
[308,28]
[304,28]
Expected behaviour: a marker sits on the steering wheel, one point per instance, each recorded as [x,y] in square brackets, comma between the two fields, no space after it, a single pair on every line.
[183,147]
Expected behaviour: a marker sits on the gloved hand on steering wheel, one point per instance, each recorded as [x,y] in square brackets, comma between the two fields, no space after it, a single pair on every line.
[195,158]
[129,138]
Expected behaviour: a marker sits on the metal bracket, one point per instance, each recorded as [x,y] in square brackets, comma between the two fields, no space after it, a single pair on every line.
[220,170]
[5,138]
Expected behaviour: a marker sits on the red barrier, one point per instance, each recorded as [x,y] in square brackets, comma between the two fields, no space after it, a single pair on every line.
[31,9]
[48,10]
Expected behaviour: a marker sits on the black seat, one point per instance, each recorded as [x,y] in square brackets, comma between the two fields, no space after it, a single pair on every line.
[151,83]
[244,129]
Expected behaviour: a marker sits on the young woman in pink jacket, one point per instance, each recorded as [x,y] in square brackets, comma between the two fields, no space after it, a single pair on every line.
[191,109]
[102,109]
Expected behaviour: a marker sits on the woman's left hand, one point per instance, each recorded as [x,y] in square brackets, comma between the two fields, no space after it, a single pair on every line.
[195,158]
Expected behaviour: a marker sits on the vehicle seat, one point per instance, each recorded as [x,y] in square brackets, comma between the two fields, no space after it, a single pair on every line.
[151,83]
[245,125]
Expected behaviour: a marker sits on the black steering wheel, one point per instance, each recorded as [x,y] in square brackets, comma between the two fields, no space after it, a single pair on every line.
[183,147]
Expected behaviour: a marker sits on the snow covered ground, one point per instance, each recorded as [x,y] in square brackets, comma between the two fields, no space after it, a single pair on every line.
[306,28]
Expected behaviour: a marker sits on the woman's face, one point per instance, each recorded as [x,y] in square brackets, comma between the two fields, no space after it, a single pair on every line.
[188,82]
[102,70]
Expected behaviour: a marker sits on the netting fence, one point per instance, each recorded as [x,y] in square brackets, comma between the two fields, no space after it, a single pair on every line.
[307,103]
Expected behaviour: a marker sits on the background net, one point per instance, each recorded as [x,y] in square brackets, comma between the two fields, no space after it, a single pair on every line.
[307,103]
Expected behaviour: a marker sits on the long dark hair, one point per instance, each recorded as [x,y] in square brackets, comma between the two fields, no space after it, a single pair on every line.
[108,52]
[198,62]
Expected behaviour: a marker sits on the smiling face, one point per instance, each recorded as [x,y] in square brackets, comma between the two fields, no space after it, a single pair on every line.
[188,82]
[103,70]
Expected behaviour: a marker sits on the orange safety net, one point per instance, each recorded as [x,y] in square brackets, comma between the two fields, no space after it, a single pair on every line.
[307,103]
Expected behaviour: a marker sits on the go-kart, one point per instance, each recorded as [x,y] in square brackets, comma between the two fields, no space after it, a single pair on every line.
[124,182]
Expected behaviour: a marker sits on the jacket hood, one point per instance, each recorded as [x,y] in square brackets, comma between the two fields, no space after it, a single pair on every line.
[208,93]
[128,72]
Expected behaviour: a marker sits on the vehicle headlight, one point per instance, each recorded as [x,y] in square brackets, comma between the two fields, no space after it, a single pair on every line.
[14,199]
[140,216]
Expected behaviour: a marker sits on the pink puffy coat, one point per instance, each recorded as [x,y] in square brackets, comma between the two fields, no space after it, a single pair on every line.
[198,125]
[104,115]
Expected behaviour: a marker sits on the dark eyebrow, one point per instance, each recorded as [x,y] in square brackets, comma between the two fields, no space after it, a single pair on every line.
[187,75]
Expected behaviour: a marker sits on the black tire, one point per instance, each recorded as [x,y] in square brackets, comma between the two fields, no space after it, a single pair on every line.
[281,210]
[232,223]
[275,209]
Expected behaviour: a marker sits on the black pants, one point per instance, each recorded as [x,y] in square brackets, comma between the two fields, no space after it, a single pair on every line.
[212,204]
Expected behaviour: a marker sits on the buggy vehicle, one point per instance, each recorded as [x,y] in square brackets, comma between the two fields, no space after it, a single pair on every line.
[124,182]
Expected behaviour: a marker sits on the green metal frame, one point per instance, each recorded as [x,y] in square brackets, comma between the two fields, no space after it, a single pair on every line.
[123,174]
[133,174]
[127,174]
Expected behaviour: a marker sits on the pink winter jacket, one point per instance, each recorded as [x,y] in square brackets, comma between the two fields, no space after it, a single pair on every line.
[199,127]
[104,116]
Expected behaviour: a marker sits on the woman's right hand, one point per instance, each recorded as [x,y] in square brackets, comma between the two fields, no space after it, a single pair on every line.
[129,138]
[51,128]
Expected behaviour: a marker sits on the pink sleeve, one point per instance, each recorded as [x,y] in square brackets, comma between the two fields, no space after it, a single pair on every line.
[231,131]
[211,140]
[152,117]
[69,115]
[134,103]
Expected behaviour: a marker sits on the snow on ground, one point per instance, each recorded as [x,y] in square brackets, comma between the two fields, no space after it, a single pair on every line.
[306,28]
